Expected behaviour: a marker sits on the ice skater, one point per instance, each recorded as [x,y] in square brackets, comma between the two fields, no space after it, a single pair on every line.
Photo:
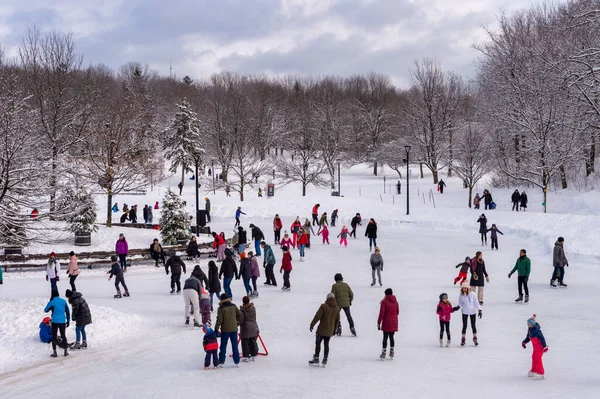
[286,268]
[523,269]
[534,334]
[470,308]
[324,232]
[494,236]
[328,317]
[483,228]
[60,320]
[444,311]
[387,322]
[211,345]
[238,212]
[376,261]
[344,297]
[343,236]
[115,270]
[462,274]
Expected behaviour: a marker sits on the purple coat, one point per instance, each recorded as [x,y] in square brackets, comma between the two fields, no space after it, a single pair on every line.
[254,269]
[121,247]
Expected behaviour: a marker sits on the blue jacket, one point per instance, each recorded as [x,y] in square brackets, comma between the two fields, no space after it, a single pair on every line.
[269,256]
[45,333]
[115,270]
[60,310]
[238,213]
[535,332]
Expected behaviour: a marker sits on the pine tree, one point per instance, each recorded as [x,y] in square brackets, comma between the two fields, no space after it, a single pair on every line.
[13,231]
[83,217]
[182,139]
[174,219]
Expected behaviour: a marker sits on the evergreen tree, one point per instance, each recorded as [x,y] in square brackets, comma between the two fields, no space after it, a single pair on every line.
[182,139]
[82,218]
[174,219]
[13,231]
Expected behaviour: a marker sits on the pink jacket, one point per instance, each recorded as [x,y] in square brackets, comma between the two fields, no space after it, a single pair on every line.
[324,232]
[73,269]
[288,243]
[254,269]
[444,310]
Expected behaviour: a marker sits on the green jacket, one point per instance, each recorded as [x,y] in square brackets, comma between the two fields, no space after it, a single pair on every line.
[522,266]
[229,317]
[328,317]
[343,294]
[207,206]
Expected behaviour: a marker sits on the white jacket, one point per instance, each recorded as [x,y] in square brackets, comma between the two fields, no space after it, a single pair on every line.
[469,304]
[53,269]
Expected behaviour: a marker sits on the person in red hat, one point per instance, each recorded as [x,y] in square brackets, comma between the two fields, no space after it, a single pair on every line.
[46,330]
[53,271]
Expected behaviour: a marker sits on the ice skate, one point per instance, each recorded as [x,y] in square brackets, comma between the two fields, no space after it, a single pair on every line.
[245,359]
[392,353]
[126,293]
[324,363]
[448,343]
[84,345]
[196,325]
[373,284]
[382,356]
[76,346]
[353,331]
[172,292]
[530,374]
[187,321]
[475,341]
[118,295]
[54,354]
[519,299]
[552,283]
[526,298]
[561,284]
[462,341]
[314,361]
[66,353]
[537,376]
[206,368]
[338,332]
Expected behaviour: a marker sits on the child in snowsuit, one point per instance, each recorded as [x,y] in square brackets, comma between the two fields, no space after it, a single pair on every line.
[46,330]
[494,236]
[205,307]
[476,201]
[210,344]
[534,334]
[287,242]
[286,265]
[343,236]
[444,311]
[324,233]
[462,274]
[115,270]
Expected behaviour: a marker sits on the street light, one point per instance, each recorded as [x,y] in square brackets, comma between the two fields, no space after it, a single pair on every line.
[213,175]
[407,148]
[197,160]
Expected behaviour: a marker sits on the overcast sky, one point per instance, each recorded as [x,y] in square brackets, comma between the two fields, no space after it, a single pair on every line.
[308,37]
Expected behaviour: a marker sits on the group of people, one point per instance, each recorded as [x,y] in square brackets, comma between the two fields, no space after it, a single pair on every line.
[518,200]
[130,214]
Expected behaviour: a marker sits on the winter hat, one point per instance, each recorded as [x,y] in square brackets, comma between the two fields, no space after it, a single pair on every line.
[224,296]
[206,199]
[338,277]
[68,293]
[465,285]
[560,239]
[113,258]
[330,296]
[251,225]
[388,291]
[46,320]
[197,267]
[467,259]
[246,300]
[531,321]
[443,296]
[52,254]
[121,235]
[71,253]
[206,328]
[263,243]
[284,248]
[377,249]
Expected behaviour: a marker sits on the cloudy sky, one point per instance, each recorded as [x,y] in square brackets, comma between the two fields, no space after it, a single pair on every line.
[308,37]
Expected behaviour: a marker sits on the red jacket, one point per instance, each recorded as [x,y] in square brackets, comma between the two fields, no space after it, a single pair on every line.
[286,262]
[315,210]
[218,241]
[295,227]
[303,239]
[388,314]
[277,224]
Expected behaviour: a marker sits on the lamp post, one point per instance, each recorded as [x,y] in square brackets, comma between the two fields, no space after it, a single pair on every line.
[339,180]
[197,159]
[213,175]
[407,148]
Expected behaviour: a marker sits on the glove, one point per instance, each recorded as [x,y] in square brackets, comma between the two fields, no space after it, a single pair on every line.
[46,277]
[379,326]
[280,271]
[480,314]
[546,349]
[68,323]
[310,329]
[454,309]
[487,279]
[524,345]
[57,278]
[509,275]
[439,308]
[1,282]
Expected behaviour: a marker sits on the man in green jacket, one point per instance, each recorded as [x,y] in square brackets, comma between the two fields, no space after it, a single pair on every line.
[328,317]
[229,318]
[523,268]
[344,296]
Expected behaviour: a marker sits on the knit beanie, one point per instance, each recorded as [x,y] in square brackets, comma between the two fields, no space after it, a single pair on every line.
[68,293]
[246,300]
[388,291]
[224,296]
[531,321]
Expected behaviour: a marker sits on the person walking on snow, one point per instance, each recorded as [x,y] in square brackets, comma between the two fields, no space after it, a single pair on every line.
[115,270]
[219,244]
[324,232]
[355,222]
[535,336]
[229,318]
[387,322]
[228,272]
[53,271]
[248,330]
[441,186]
[81,315]
[470,308]
[122,250]
[328,317]
[344,297]
[523,201]
[334,216]
[515,198]
[295,228]
[257,236]
[207,208]
[277,226]
[343,236]
[483,228]
[523,268]
[238,212]
[444,311]
[315,214]
[73,271]
[302,242]
[269,263]
[376,261]
[476,201]
[177,265]
[286,268]
[60,319]
[371,232]
[191,297]
[478,273]
[559,260]
[494,236]
[464,268]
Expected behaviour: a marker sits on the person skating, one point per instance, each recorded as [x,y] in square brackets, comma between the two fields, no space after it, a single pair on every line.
[287,242]
[315,214]
[354,223]
[324,232]
[53,271]
[211,346]
[133,214]
[156,252]
[387,322]
[371,232]
[115,270]
[257,236]
[245,272]
[124,216]
[60,319]
[269,264]
[515,198]
[286,268]
[242,239]
[328,317]
[81,315]
[523,201]
[228,272]
[238,212]
[444,311]
[295,228]
[334,216]
[476,201]
[376,262]
[192,248]
[478,272]
[523,268]
[494,236]
[248,330]
[73,271]
[343,236]
[229,318]
[309,231]
[559,260]
[214,284]
[323,220]
[219,244]
[441,185]
[177,265]
[483,228]
[277,226]
[191,297]
[487,199]
[470,308]
[200,275]
[535,335]
[122,250]
[302,242]
[205,306]
[207,209]
[464,268]
[255,272]
[344,297]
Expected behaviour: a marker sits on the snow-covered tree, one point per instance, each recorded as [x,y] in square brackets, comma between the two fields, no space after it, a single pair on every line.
[82,216]
[174,219]
[182,141]
[13,225]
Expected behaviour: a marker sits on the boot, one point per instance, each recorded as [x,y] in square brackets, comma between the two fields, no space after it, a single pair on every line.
[552,283]
[561,284]
[126,293]
[475,340]
[84,345]
[54,354]
[324,362]
[462,340]
[187,321]
[391,353]
[519,299]
[441,342]
[76,346]
[382,356]
[172,292]
[314,360]
[353,331]
[66,352]
[339,331]
[373,284]
[196,325]
[118,295]
[448,343]
[526,298]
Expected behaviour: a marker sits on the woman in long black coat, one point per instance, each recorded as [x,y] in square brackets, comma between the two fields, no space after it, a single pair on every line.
[81,315]
[523,200]
[371,232]
[483,228]
[479,275]
[214,284]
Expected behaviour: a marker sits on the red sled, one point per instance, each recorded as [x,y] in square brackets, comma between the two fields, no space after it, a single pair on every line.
[265,353]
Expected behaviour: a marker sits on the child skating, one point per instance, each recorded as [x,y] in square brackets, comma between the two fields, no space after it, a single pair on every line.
[444,311]
[324,232]
[286,268]
[534,334]
[343,236]
[462,274]
[115,270]
[211,345]
[287,242]
[470,308]
[494,236]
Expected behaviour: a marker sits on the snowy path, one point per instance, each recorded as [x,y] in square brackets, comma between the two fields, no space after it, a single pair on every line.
[158,357]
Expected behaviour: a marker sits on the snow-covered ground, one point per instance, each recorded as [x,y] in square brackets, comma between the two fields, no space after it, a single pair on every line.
[139,347]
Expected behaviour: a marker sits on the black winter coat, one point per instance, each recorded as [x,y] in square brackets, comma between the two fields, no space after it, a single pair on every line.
[199,274]
[482,225]
[176,264]
[523,200]
[371,230]
[257,233]
[246,269]
[229,268]
[355,221]
[192,247]
[214,284]
[515,197]
[242,237]
[81,311]
[479,270]
[487,198]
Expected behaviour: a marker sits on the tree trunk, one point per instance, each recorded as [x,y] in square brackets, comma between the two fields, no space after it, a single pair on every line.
[53,183]
[470,195]
[450,154]
[545,197]
[375,168]
[435,176]
[590,160]
[183,176]
[563,177]
[109,209]
[421,168]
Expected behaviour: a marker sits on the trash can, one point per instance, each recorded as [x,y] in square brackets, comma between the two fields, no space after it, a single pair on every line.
[83,239]
[270,190]
[335,193]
